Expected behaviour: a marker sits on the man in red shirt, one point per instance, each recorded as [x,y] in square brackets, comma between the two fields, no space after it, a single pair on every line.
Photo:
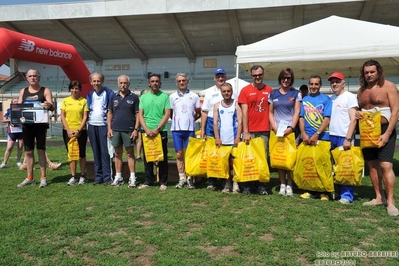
[254,103]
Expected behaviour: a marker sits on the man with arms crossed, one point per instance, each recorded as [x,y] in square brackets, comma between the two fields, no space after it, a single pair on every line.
[185,109]
[254,103]
[123,126]
[37,95]
[378,93]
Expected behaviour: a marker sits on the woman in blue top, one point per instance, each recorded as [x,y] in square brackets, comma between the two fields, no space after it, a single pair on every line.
[285,105]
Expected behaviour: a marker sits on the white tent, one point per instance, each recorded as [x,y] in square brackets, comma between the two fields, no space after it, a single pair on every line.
[322,47]
[236,86]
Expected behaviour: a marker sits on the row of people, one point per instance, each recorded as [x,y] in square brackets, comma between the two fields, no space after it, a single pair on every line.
[119,116]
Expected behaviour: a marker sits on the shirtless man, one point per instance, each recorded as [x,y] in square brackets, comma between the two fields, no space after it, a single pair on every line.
[376,92]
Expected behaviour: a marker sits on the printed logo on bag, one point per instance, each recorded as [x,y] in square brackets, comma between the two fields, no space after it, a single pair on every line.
[281,146]
[152,144]
[346,161]
[248,161]
[308,163]
[214,157]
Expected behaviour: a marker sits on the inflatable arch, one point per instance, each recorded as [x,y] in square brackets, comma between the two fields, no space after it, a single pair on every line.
[29,48]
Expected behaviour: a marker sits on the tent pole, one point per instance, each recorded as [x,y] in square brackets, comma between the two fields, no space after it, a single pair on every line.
[236,85]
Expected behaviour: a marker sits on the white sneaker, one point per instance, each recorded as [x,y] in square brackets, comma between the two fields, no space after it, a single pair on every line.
[282,190]
[27,182]
[132,183]
[82,180]
[289,192]
[236,187]
[117,182]
[19,164]
[344,201]
[72,181]
[227,187]
[43,182]
[181,183]
[190,183]
[3,165]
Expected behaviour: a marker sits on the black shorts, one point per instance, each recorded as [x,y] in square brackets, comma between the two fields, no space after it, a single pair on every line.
[32,134]
[386,152]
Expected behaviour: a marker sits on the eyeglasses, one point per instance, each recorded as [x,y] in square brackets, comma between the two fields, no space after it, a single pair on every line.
[257,75]
[181,80]
[286,78]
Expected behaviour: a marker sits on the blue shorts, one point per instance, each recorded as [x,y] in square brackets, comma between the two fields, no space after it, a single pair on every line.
[15,136]
[209,127]
[336,141]
[180,139]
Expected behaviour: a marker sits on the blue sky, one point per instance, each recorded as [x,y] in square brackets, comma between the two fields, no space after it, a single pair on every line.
[5,70]
[22,2]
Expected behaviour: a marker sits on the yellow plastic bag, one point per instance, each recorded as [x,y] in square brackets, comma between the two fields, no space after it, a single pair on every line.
[370,129]
[195,158]
[152,148]
[282,151]
[250,163]
[313,168]
[218,160]
[348,166]
[73,149]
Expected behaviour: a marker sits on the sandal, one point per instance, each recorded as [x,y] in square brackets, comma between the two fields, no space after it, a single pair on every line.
[144,186]
[163,187]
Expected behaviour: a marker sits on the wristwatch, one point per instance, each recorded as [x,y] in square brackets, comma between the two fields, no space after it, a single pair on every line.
[349,139]
[159,128]
[318,132]
[291,128]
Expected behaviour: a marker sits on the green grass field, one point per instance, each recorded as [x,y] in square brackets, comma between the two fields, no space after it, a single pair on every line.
[98,225]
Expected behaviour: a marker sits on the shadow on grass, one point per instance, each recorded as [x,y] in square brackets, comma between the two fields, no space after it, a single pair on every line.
[61,179]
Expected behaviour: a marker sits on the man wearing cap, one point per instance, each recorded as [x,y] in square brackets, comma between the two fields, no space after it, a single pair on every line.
[378,93]
[212,96]
[254,101]
[342,124]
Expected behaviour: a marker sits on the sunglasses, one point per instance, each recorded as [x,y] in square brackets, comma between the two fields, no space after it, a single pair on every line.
[286,78]
[257,75]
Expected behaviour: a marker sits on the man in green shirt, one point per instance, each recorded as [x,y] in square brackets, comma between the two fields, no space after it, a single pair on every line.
[154,112]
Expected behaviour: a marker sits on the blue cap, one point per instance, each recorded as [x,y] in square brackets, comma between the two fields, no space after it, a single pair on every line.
[220,71]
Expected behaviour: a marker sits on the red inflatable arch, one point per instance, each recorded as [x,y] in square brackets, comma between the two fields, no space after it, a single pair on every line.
[29,48]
